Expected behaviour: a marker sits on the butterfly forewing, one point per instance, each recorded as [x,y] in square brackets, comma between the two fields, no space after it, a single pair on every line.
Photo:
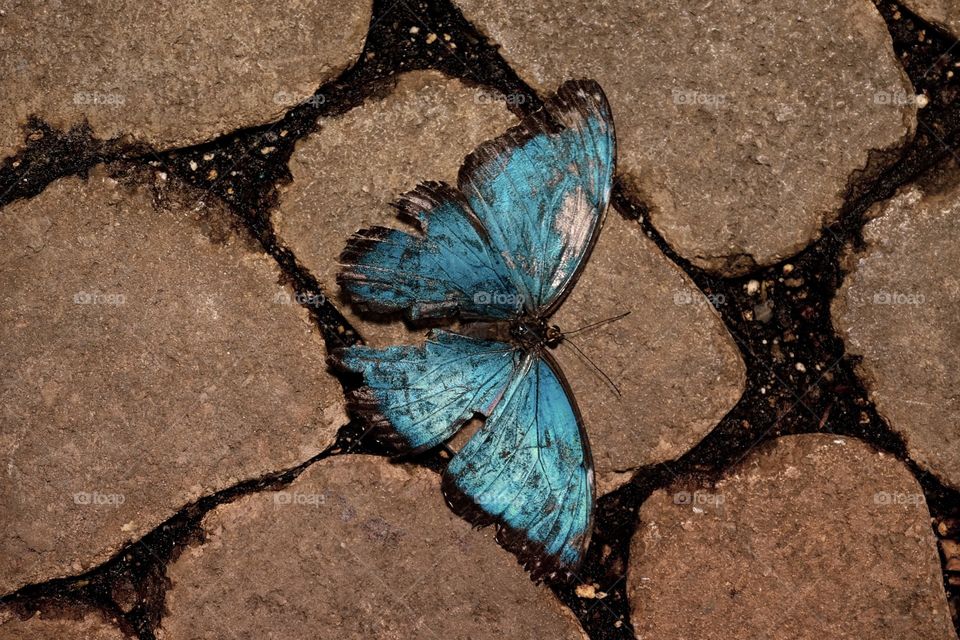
[541,190]
[445,267]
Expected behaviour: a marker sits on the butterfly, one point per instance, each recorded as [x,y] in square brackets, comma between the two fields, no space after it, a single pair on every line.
[499,252]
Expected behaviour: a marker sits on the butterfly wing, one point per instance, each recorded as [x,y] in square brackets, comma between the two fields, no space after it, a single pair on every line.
[415,398]
[529,470]
[449,267]
[541,189]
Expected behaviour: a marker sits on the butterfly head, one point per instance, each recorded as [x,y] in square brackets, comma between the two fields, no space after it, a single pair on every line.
[533,333]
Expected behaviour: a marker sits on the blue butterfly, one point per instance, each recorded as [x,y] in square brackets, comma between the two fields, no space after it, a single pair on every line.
[501,251]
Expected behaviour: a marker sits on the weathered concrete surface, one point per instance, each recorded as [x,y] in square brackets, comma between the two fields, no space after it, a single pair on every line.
[677,367]
[147,360]
[739,123]
[899,308]
[89,627]
[168,73]
[814,537]
[355,548]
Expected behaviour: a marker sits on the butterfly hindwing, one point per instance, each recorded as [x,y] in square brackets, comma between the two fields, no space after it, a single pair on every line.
[415,398]
[528,470]
[541,189]
[449,267]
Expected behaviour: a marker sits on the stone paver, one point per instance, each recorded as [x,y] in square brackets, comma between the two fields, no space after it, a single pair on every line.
[899,308]
[943,13]
[739,123]
[90,627]
[147,360]
[814,537]
[677,367]
[168,73]
[355,548]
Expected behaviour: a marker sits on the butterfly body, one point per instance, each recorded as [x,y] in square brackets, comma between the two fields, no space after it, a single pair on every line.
[500,252]
[535,333]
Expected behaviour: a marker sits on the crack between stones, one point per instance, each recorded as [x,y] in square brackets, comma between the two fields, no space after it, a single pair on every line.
[140,566]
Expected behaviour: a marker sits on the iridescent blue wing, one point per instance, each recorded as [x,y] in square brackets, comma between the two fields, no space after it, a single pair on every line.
[414,398]
[541,189]
[447,267]
[529,471]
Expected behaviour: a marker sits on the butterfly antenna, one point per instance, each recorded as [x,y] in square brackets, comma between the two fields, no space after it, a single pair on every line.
[593,365]
[599,323]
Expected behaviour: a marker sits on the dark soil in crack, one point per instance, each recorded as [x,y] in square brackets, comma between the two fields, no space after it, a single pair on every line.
[787,322]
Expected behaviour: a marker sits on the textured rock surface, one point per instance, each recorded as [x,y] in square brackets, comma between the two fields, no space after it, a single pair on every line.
[943,13]
[816,537]
[899,308]
[673,359]
[90,627]
[355,548]
[146,361]
[739,123]
[170,73]
[421,131]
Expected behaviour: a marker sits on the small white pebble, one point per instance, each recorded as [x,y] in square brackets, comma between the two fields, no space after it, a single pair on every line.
[586,591]
[414,29]
[787,268]
[193,165]
[267,150]
[753,287]
[922,101]
[800,367]
[207,157]
[431,38]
